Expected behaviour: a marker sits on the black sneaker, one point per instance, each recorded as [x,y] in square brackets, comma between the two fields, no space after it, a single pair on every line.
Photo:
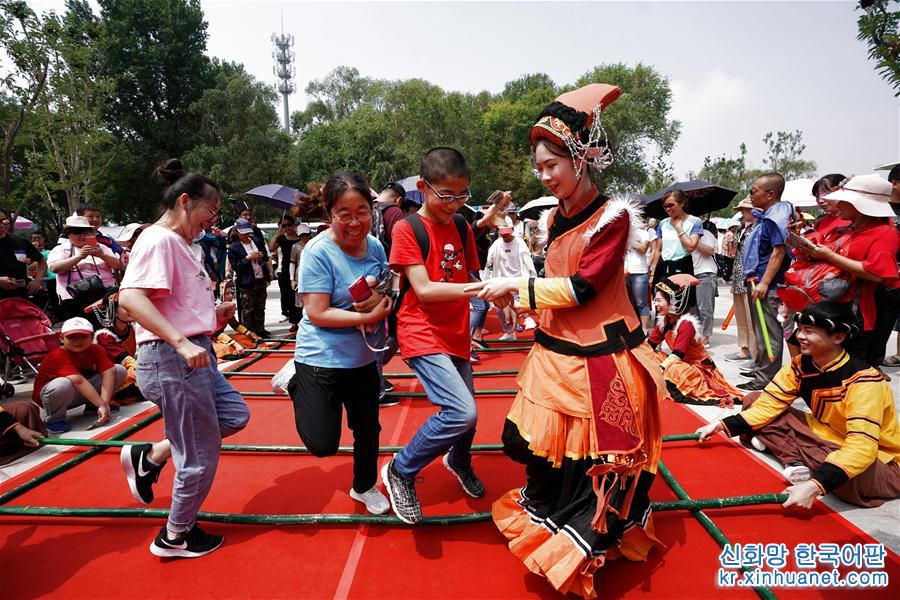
[385,401]
[139,471]
[189,544]
[388,386]
[480,343]
[467,478]
[751,386]
[751,373]
[402,494]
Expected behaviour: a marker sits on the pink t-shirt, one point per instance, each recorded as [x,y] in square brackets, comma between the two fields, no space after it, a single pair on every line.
[88,266]
[162,261]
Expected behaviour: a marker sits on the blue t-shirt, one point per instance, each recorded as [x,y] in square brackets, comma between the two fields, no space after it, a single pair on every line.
[672,248]
[325,269]
[770,231]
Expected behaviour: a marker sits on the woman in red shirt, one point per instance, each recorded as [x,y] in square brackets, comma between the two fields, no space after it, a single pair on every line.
[868,252]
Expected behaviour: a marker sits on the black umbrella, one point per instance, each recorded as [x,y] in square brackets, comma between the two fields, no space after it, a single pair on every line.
[703,198]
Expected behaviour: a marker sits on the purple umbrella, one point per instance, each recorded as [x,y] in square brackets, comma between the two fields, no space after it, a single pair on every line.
[273,194]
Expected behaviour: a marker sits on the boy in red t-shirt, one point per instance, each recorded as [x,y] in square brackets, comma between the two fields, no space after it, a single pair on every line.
[433,330]
[78,373]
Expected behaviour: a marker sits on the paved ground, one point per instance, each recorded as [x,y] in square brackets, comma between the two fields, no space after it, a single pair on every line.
[880,523]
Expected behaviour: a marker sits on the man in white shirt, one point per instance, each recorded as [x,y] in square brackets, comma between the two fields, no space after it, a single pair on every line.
[509,257]
[636,265]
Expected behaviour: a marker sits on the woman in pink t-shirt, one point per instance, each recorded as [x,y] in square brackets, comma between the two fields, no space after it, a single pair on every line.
[167,291]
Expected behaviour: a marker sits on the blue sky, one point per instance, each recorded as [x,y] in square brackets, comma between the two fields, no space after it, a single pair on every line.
[738,69]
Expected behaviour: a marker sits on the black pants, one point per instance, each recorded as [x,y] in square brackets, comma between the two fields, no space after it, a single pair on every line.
[318,393]
[288,300]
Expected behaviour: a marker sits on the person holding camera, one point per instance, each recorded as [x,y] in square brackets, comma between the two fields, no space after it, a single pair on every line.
[82,259]
[334,361]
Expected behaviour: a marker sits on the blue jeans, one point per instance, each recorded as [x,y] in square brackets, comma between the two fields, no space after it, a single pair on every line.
[448,382]
[639,284]
[199,408]
[477,313]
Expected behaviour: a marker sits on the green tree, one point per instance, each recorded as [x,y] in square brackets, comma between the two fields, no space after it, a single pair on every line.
[239,142]
[785,154]
[155,51]
[334,97]
[636,123]
[878,29]
[22,41]
[72,145]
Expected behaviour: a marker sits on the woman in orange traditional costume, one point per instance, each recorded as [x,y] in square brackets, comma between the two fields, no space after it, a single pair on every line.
[586,419]
[691,375]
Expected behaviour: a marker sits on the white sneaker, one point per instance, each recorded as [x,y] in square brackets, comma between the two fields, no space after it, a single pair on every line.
[374,500]
[796,473]
[757,444]
[508,337]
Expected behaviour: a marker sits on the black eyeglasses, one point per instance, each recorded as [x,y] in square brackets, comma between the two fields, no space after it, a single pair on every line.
[448,198]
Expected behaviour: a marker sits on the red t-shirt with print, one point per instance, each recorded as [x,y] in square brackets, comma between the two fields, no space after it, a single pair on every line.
[59,362]
[435,327]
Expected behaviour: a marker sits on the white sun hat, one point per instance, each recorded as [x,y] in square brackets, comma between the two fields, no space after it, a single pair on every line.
[869,194]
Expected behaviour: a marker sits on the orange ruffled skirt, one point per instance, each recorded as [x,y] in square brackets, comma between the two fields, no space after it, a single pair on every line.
[699,383]
[549,521]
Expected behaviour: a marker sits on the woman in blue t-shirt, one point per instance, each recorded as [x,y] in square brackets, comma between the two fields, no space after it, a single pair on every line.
[676,237]
[334,359]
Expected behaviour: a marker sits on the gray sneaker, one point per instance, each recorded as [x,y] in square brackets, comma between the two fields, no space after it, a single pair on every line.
[467,478]
[737,357]
[402,494]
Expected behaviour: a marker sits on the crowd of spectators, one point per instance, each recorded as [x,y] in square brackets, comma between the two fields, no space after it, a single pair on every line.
[760,253]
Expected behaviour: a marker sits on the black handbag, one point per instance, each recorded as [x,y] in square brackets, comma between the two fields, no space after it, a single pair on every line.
[86,291]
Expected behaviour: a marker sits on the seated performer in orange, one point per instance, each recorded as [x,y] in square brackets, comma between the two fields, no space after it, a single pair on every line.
[585,422]
[691,375]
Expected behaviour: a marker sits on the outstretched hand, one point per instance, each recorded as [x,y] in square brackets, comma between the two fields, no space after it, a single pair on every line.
[802,494]
[708,430]
[493,289]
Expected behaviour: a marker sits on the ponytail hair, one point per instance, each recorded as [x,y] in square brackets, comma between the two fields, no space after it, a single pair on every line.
[322,198]
[310,206]
[197,187]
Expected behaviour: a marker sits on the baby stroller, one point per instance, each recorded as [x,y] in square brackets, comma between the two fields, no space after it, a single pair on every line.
[25,338]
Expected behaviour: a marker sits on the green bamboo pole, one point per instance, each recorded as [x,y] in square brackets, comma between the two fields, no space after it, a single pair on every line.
[394,394]
[762,324]
[341,519]
[707,523]
[59,469]
[283,449]
[386,375]
[241,519]
[518,341]
[479,350]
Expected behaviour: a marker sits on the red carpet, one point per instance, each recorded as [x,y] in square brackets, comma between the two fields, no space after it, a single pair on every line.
[108,558]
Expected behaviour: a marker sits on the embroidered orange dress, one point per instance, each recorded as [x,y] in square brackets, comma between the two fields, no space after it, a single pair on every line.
[586,419]
[690,373]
